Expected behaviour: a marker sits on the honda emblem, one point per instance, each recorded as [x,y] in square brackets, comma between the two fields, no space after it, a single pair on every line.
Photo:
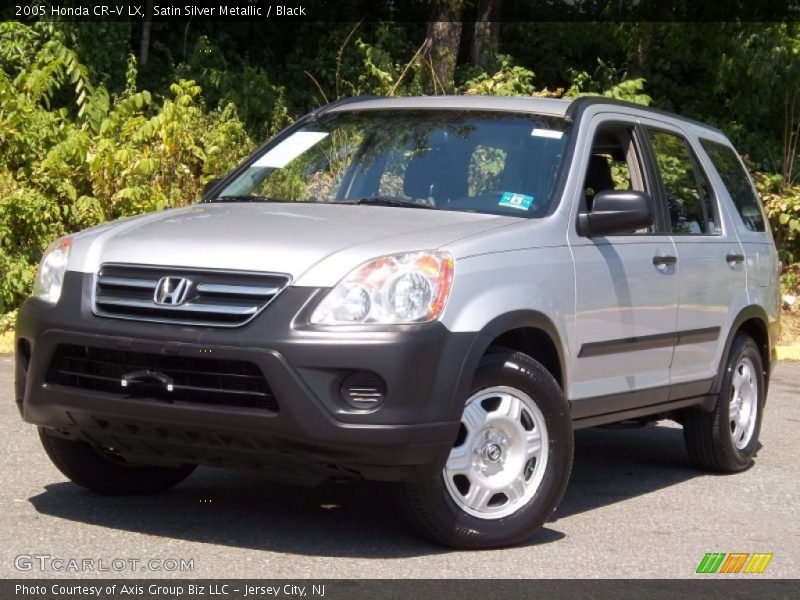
[171,291]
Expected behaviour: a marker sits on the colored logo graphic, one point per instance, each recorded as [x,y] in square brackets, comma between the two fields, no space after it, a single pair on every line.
[735,562]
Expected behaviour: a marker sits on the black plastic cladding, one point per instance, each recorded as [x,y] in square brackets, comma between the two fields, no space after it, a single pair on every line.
[303,365]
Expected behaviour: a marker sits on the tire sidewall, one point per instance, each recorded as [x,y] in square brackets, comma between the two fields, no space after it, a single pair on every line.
[743,347]
[94,470]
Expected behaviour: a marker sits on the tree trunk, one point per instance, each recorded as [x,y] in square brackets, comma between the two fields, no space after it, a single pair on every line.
[486,34]
[643,49]
[444,35]
[144,41]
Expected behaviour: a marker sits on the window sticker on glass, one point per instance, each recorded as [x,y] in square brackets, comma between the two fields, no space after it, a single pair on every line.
[289,149]
[518,201]
[547,133]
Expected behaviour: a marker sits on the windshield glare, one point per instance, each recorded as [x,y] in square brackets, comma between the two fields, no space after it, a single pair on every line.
[496,163]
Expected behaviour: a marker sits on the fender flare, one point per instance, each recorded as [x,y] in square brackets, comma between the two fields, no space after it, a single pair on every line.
[749,312]
[491,331]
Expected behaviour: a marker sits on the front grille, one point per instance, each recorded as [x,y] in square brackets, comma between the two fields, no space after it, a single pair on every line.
[214,298]
[179,379]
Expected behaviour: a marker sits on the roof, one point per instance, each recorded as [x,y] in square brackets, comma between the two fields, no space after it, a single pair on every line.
[570,108]
[545,106]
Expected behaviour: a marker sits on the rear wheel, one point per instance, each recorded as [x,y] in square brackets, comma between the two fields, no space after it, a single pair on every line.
[509,465]
[726,439]
[103,472]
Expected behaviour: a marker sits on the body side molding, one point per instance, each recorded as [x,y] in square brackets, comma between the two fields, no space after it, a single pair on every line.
[648,342]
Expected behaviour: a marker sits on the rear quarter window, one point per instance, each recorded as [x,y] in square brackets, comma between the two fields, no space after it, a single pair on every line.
[736,181]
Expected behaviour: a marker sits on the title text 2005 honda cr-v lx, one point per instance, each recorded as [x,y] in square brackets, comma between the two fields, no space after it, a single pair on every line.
[430,291]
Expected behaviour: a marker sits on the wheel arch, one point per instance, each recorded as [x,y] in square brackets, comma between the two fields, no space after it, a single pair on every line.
[753,321]
[527,331]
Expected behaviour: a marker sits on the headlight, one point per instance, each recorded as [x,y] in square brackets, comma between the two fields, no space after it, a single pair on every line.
[50,276]
[401,288]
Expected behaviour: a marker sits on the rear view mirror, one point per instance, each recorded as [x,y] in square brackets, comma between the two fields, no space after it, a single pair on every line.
[617,211]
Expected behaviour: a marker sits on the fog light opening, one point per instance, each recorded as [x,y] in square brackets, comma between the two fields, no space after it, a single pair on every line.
[363,390]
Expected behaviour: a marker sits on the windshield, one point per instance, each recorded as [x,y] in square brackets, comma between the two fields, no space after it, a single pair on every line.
[496,163]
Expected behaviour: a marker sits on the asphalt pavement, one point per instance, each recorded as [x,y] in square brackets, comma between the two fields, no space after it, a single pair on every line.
[634,508]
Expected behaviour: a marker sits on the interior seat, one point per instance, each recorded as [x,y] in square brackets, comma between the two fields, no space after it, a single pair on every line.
[598,178]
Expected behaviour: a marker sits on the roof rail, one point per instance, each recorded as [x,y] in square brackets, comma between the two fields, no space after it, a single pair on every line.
[351,100]
[579,105]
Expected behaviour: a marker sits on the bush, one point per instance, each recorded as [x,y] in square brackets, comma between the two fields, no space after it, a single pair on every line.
[73,156]
[782,204]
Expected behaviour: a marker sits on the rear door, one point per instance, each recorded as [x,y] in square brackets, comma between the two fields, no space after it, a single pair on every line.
[749,220]
[710,260]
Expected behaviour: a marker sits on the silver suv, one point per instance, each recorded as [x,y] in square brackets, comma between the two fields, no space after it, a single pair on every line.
[430,291]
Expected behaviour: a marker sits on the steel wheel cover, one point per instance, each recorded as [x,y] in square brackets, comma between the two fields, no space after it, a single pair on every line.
[743,408]
[500,456]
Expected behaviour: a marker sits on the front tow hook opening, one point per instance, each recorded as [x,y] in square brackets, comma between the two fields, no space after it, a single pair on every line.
[146,376]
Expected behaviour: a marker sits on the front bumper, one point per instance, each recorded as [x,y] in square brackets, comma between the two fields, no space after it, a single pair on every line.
[315,434]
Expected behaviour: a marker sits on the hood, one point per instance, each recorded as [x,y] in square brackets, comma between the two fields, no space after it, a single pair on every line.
[317,244]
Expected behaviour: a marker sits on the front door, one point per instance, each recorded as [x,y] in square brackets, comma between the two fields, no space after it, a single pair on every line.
[626,290]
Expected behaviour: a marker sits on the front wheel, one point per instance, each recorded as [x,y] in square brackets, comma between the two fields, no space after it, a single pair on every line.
[103,472]
[509,465]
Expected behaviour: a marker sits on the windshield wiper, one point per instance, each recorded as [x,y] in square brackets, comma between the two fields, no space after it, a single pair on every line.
[245,199]
[378,201]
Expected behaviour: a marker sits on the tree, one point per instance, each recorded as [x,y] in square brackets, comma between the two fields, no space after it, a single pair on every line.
[144,41]
[444,35]
[486,33]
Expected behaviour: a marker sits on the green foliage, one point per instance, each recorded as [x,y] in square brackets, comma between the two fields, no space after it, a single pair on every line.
[763,67]
[72,155]
[103,47]
[630,90]
[260,103]
[7,321]
[782,203]
[790,280]
[609,82]
[509,80]
[374,63]
[83,141]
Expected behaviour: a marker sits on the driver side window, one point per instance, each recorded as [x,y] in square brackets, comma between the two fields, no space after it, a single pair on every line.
[613,165]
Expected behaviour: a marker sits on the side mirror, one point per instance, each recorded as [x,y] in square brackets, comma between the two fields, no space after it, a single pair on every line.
[209,186]
[617,211]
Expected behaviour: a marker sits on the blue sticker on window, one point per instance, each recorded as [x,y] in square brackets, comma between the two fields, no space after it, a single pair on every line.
[519,201]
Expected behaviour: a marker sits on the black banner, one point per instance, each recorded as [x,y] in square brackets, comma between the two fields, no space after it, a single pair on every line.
[395,10]
[732,588]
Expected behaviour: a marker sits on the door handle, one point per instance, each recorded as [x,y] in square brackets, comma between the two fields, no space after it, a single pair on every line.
[662,261]
[734,258]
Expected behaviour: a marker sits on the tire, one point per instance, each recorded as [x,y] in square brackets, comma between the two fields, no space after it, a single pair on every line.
[717,441]
[106,474]
[484,511]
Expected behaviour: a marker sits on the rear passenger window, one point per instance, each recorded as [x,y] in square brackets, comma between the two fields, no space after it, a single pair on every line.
[688,194]
[737,183]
